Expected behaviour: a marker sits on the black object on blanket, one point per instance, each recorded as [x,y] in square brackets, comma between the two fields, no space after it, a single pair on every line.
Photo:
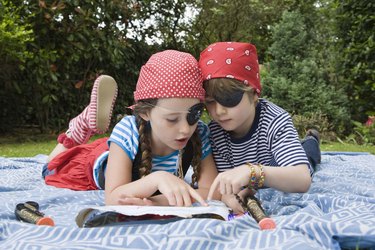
[29,212]
[252,206]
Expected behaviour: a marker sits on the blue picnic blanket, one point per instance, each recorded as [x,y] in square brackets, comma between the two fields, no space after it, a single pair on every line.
[337,212]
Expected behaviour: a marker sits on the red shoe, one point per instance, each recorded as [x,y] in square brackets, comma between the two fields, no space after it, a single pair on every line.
[96,117]
[103,98]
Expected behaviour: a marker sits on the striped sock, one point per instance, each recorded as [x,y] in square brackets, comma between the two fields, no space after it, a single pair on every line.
[79,128]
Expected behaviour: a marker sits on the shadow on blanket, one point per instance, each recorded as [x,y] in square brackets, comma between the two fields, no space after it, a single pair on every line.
[337,212]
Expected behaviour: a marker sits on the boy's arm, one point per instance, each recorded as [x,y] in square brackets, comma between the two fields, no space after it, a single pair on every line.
[291,179]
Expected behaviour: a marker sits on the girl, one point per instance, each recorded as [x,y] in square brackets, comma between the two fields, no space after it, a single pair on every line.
[254,141]
[146,150]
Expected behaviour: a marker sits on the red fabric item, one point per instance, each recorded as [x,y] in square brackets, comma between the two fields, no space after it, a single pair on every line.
[370,121]
[73,168]
[231,60]
[61,138]
[69,143]
[66,141]
[170,74]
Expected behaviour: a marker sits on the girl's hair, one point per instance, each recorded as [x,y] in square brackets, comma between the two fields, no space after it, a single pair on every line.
[142,107]
[221,87]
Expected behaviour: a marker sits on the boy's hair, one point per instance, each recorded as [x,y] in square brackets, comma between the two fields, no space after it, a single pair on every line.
[145,166]
[221,87]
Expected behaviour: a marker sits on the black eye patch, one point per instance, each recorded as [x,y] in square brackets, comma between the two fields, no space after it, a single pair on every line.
[231,100]
[195,113]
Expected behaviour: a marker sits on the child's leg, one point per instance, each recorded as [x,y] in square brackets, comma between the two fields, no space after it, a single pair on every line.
[311,145]
[57,150]
[94,119]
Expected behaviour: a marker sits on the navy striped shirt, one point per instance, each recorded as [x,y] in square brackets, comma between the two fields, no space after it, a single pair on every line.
[272,141]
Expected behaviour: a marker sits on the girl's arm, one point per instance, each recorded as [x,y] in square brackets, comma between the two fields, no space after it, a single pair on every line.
[207,177]
[119,185]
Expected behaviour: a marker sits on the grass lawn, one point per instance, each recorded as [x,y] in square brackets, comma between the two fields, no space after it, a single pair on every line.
[28,144]
[347,147]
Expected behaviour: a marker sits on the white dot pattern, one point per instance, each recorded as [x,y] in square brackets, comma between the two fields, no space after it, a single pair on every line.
[231,60]
[170,74]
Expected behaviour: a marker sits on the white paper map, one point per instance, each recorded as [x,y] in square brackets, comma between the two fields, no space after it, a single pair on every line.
[102,215]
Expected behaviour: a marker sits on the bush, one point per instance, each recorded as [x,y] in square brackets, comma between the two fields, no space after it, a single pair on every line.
[316,120]
[14,38]
[297,80]
[363,134]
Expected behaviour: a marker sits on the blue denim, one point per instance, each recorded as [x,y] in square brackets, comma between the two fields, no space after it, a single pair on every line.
[46,171]
[312,148]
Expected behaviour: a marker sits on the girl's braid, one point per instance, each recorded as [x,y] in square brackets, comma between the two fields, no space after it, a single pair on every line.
[197,154]
[143,107]
[144,145]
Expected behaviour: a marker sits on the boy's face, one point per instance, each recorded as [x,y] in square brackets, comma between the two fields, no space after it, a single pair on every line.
[237,119]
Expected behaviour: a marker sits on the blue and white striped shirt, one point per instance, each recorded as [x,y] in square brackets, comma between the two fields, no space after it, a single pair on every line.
[271,141]
[125,134]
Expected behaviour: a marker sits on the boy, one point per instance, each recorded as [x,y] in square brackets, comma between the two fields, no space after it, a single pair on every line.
[254,141]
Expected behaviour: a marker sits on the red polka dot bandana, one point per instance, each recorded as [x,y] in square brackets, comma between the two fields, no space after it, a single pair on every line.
[231,60]
[170,74]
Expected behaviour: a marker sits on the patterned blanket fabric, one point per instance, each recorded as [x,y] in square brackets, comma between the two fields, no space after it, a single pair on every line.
[337,212]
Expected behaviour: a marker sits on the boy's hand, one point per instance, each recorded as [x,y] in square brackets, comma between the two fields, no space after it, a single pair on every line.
[231,181]
[231,202]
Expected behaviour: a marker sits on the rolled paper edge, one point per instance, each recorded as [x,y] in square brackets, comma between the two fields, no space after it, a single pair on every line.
[46,221]
[267,224]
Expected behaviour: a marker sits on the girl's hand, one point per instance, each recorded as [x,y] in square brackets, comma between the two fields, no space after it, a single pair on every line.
[177,191]
[231,181]
[135,201]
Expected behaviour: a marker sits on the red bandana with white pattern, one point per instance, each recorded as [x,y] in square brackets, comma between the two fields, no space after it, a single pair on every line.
[231,60]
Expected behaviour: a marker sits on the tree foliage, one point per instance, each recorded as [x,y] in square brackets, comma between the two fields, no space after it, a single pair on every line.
[73,43]
[164,22]
[52,51]
[14,37]
[296,79]
[235,20]
[356,49]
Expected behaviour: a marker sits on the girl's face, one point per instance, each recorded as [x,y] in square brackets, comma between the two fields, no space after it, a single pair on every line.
[237,119]
[169,125]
